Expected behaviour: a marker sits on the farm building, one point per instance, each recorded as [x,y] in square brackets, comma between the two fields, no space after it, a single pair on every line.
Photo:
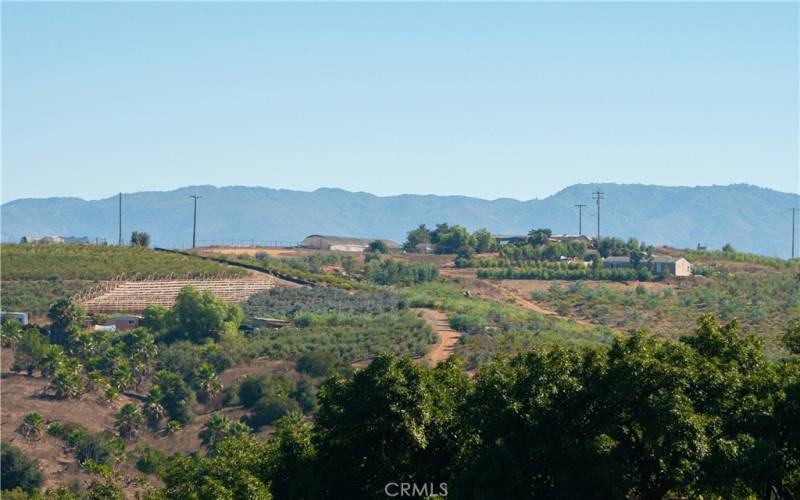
[341,243]
[124,322]
[425,248]
[658,264]
[569,238]
[55,240]
[506,239]
[19,317]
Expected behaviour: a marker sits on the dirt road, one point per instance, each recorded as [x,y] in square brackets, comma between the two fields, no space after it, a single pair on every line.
[468,280]
[447,338]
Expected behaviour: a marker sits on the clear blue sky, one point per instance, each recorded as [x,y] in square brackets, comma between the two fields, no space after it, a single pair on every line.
[483,99]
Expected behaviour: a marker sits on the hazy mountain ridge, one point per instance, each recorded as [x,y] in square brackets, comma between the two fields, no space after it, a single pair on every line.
[751,218]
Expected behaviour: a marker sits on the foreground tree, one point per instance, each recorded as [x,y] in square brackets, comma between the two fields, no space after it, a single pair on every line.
[394,419]
[19,471]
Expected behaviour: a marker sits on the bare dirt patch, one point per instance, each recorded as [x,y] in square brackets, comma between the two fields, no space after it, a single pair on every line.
[447,338]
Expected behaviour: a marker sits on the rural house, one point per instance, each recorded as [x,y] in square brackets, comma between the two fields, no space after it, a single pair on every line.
[658,264]
[510,239]
[342,243]
[19,317]
[124,322]
[569,238]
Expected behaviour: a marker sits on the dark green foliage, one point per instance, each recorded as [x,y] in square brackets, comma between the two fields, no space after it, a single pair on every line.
[237,470]
[254,387]
[349,337]
[290,301]
[290,468]
[706,416]
[791,339]
[397,272]
[66,317]
[378,246]
[175,396]
[318,364]
[140,239]
[270,408]
[564,271]
[152,461]
[417,236]
[19,471]
[392,405]
[102,448]
[199,316]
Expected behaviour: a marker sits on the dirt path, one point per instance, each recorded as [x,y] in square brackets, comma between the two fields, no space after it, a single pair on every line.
[447,338]
[468,280]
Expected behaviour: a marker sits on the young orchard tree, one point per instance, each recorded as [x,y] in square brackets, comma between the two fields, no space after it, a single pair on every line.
[140,239]
[32,427]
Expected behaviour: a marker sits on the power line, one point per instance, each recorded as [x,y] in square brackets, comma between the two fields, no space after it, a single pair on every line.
[794,217]
[580,218]
[194,222]
[597,196]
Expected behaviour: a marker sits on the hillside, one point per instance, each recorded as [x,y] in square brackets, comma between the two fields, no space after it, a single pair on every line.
[34,276]
[753,219]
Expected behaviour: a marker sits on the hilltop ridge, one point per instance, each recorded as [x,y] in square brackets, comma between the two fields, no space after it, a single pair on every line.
[752,218]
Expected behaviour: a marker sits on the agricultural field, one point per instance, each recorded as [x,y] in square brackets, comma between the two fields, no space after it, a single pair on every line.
[490,327]
[100,262]
[761,302]
[35,276]
[191,379]
[352,325]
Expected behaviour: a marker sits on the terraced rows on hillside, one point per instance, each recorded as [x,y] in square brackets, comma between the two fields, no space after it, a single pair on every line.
[133,296]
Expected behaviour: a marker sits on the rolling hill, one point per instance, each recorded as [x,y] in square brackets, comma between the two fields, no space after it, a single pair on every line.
[751,218]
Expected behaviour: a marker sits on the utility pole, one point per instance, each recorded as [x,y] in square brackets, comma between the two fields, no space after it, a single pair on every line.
[194,223]
[580,218]
[597,196]
[794,216]
[120,219]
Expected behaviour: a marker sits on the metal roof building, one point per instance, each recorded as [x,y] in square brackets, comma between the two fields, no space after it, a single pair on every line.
[341,243]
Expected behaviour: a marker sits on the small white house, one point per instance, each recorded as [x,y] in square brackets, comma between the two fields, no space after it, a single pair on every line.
[19,317]
[124,322]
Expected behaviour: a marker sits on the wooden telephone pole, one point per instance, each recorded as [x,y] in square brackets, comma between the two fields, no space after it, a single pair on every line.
[597,196]
[194,222]
[580,218]
[794,217]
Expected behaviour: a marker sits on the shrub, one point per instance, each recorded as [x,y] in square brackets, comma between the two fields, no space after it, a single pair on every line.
[19,471]
[102,448]
[152,461]
[32,426]
[317,364]
[252,388]
[270,408]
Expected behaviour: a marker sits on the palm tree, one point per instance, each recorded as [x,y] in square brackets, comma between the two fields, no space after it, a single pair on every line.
[208,382]
[128,421]
[173,427]
[154,413]
[214,430]
[32,426]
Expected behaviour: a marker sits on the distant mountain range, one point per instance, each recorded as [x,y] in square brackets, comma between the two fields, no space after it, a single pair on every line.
[751,218]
